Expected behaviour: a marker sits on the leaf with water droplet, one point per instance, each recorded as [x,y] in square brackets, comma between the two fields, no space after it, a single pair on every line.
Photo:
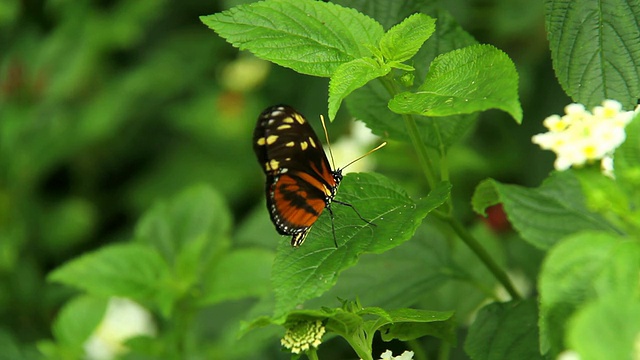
[463,81]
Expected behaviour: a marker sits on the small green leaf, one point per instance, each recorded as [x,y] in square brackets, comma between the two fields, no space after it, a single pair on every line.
[310,37]
[542,215]
[595,49]
[78,319]
[129,270]
[350,76]
[511,329]
[239,274]
[369,103]
[606,329]
[307,272]
[567,281]
[410,324]
[404,40]
[475,78]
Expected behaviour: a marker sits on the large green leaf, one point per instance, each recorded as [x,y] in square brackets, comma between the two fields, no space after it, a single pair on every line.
[595,49]
[463,81]
[606,328]
[238,274]
[129,270]
[307,272]
[541,215]
[427,272]
[310,37]
[504,331]
[577,270]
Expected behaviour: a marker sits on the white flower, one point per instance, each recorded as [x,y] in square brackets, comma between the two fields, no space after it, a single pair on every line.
[568,355]
[122,320]
[388,355]
[580,137]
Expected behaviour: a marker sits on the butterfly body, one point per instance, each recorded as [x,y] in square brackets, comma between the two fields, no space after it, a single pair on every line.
[300,181]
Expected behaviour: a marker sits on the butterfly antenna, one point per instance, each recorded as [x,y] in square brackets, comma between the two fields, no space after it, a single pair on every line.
[367,154]
[326,135]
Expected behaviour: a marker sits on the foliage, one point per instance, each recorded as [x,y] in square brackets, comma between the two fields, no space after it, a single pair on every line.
[126,171]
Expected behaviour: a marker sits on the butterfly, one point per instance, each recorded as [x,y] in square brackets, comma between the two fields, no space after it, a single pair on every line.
[300,182]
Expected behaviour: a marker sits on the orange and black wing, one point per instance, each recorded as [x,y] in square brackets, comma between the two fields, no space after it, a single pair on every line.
[300,182]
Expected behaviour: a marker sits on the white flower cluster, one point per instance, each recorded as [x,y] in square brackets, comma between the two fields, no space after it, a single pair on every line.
[581,136]
[303,335]
[388,355]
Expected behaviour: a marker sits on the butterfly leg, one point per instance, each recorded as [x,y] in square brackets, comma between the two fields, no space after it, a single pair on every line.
[354,209]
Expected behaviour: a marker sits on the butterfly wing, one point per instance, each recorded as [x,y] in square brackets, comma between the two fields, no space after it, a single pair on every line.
[300,182]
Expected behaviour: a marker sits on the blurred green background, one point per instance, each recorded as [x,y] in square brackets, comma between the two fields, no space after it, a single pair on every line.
[109,106]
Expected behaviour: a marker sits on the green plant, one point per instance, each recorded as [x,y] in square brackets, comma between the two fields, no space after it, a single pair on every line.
[560,278]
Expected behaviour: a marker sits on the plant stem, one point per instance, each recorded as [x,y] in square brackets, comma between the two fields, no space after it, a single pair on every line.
[423,157]
[444,351]
[481,253]
[418,351]
[414,134]
[430,174]
[312,354]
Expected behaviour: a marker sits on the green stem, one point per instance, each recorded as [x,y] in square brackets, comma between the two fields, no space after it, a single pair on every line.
[444,351]
[481,253]
[430,173]
[414,134]
[312,354]
[423,157]
[418,351]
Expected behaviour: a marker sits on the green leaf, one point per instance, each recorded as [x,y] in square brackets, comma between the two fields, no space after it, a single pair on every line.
[12,348]
[404,40]
[369,103]
[605,196]
[505,331]
[310,37]
[410,324]
[567,280]
[307,272]
[435,132]
[418,257]
[543,215]
[426,270]
[351,76]
[198,214]
[239,274]
[129,270]
[627,161]
[606,329]
[622,273]
[595,49]
[77,320]
[475,78]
